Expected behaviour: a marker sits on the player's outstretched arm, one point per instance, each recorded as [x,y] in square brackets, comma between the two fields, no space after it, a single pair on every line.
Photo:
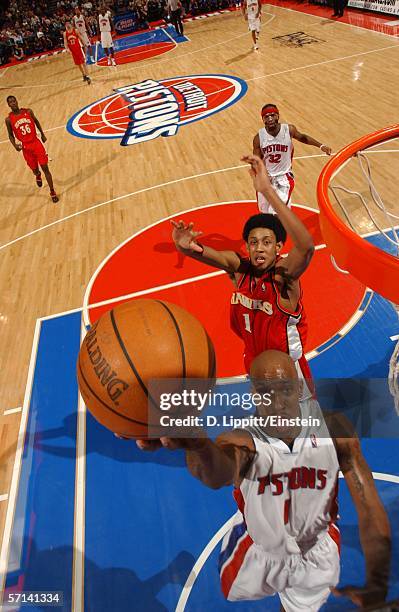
[37,123]
[217,464]
[256,150]
[375,534]
[300,255]
[306,139]
[185,239]
[11,136]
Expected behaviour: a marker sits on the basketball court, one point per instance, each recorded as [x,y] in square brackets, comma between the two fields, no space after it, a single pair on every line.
[82,512]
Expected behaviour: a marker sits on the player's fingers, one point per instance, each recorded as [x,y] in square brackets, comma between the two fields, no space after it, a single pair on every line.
[170,443]
[195,234]
[148,445]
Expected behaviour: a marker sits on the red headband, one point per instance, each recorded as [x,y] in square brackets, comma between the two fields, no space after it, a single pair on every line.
[269,110]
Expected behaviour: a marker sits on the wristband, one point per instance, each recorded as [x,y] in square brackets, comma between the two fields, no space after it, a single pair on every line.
[321,146]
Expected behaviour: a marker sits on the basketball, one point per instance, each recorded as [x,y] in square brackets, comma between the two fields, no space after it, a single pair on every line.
[128,346]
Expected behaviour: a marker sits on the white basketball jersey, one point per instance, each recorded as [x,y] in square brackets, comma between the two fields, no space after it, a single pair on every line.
[80,23]
[252,8]
[277,150]
[105,24]
[289,498]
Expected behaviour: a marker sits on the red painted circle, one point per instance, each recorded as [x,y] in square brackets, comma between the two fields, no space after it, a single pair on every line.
[137,54]
[150,260]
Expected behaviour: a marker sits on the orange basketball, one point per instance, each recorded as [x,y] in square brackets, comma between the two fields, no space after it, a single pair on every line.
[127,347]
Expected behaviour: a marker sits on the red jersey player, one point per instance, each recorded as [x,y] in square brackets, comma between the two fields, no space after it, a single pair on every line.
[21,125]
[73,42]
[266,304]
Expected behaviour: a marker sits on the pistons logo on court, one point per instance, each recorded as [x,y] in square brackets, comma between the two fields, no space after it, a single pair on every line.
[144,111]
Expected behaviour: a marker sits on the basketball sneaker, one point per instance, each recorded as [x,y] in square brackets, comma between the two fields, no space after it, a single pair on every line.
[54,196]
[39,181]
[109,61]
[87,79]
[113,61]
[256,48]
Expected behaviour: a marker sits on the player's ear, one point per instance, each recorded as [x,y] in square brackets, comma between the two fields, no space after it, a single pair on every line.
[279,246]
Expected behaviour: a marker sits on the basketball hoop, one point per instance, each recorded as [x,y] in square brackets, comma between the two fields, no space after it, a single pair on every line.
[372,266]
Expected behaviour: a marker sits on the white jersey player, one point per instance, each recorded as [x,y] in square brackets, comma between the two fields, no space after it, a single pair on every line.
[105,24]
[283,539]
[79,22]
[251,9]
[273,143]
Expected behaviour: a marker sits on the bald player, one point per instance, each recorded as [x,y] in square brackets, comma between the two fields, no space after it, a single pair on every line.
[284,538]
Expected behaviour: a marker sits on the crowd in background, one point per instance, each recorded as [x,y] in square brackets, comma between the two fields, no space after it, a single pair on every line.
[28,27]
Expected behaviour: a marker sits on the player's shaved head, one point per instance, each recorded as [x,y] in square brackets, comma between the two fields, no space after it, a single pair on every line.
[273,365]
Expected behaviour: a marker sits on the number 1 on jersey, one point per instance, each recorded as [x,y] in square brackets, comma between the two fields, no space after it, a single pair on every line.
[247,323]
[287,505]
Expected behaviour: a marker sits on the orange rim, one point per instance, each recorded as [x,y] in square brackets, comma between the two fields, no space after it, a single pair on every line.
[369,264]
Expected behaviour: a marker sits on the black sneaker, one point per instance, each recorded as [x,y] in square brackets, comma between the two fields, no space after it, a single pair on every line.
[39,181]
[54,197]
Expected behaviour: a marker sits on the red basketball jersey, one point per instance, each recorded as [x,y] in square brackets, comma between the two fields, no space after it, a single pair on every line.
[23,126]
[73,41]
[262,322]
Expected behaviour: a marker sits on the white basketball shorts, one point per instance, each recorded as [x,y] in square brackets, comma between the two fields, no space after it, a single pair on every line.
[106,40]
[302,581]
[283,186]
[254,24]
[85,39]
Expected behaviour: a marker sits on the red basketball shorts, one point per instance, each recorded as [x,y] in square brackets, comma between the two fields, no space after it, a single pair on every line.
[35,154]
[78,56]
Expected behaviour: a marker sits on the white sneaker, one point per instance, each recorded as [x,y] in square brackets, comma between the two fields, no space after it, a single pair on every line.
[256,48]
[109,61]
[113,61]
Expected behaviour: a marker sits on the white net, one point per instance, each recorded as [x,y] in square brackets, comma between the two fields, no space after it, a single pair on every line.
[374,214]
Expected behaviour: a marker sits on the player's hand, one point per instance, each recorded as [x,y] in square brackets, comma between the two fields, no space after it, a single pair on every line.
[44,138]
[171,444]
[18,147]
[258,173]
[184,236]
[363,597]
[326,149]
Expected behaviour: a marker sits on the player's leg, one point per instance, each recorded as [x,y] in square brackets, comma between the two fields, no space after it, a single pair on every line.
[38,175]
[112,54]
[85,73]
[180,24]
[49,179]
[33,164]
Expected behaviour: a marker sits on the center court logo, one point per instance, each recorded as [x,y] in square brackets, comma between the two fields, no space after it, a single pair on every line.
[149,109]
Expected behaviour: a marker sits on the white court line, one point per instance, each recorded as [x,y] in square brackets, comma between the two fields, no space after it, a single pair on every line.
[264,76]
[5,546]
[193,575]
[164,30]
[12,411]
[393,338]
[133,193]
[209,548]
[80,506]
[3,497]
[3,71]
[330,61]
